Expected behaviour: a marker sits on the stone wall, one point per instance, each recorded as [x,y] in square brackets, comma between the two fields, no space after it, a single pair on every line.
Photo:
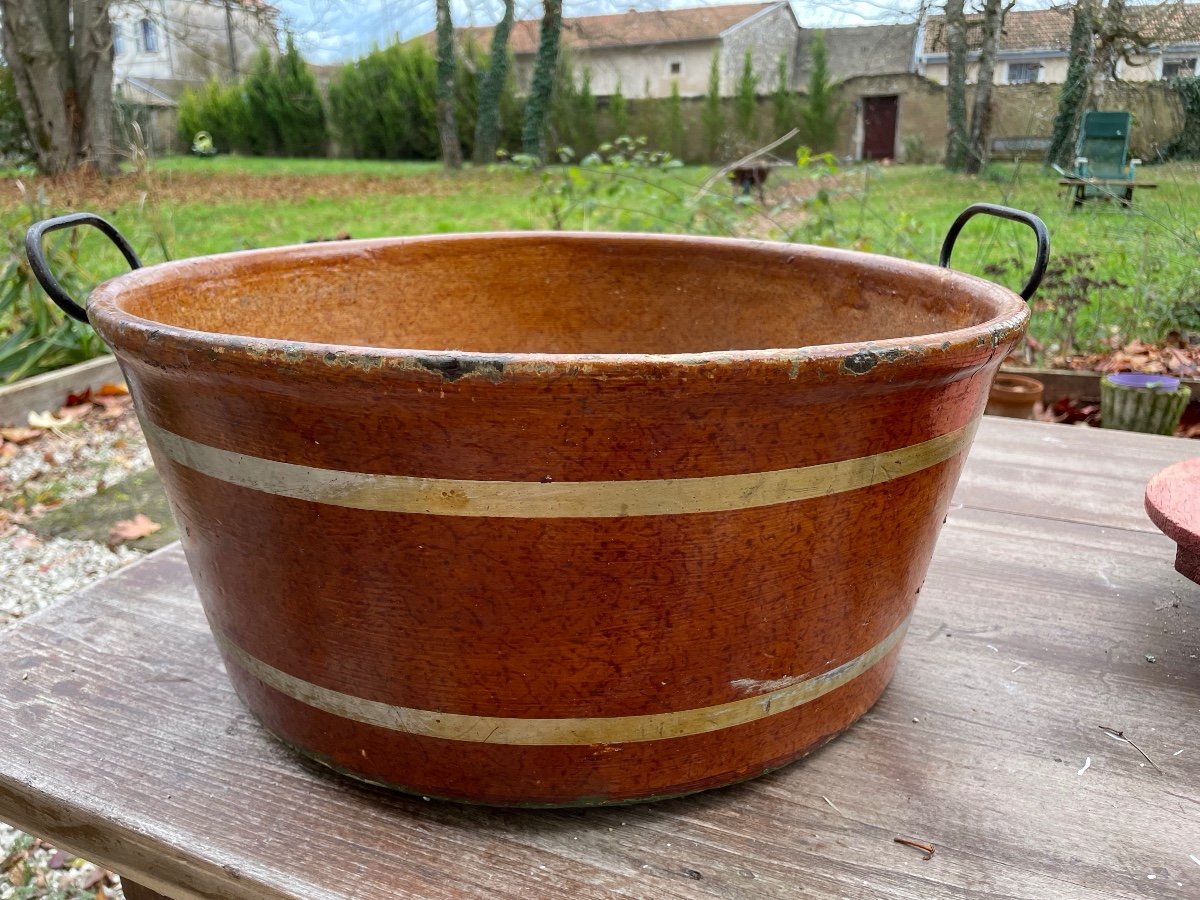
[1019,110]
[766,36]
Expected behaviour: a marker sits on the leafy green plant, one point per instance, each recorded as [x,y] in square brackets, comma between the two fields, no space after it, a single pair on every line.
[35,336]
[627,186]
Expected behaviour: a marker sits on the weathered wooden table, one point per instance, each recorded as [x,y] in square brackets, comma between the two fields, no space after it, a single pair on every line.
[1051,609]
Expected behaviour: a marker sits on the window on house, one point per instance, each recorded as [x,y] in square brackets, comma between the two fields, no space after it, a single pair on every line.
[149,37]
[1173,67]
[1023,72]
[118,39]
[676,67]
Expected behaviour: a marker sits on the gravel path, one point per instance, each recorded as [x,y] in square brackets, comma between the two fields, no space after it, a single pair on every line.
[41,471]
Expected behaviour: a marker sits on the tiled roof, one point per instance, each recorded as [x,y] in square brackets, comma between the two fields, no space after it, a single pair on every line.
[633,28]
[1050,29]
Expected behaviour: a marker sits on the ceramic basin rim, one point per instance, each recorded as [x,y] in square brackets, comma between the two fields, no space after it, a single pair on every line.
[119,327]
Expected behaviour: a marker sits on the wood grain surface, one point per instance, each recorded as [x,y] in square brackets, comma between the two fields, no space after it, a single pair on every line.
[1051,609]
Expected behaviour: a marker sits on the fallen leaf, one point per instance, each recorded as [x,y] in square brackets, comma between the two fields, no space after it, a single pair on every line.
[82,397]
[18,435]
[94,878]
[139,526]
[26,541]
[112,390]
[59,859]
[74,413]
[111,401]
[46,420]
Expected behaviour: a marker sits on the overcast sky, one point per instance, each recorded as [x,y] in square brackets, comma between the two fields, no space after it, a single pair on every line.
[334,30]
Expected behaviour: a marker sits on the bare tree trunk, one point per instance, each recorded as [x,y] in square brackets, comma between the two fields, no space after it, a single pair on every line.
[981,109]
[94,84]
[1111,46]
[60,55]
[447,125]
[487,122]
[537,105]
[1073,97]
[956,86]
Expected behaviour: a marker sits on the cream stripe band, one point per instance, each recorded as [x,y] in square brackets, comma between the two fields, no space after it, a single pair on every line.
[548,732]
[565,499]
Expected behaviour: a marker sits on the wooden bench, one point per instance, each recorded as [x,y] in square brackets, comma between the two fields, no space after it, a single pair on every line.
[1051,609]
[1105,189]
[1019,147]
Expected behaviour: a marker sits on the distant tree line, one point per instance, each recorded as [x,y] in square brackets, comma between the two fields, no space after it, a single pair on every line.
[385,105]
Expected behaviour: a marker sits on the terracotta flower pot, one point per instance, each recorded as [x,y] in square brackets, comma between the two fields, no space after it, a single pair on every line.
[594,536]
[1014,396]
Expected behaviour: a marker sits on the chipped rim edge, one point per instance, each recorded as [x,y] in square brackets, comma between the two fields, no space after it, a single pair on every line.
[116,325]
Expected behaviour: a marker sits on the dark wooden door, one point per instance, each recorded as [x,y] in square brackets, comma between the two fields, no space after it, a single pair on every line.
[879,127]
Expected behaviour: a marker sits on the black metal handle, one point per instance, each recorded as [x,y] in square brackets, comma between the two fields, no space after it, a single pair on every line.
[1016,215]
[41,269]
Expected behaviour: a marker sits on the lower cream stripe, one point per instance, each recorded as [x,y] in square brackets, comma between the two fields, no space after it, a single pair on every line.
[566,499]
[545,732]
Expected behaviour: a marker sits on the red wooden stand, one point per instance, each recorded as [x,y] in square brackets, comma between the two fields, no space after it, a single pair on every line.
[1173,504]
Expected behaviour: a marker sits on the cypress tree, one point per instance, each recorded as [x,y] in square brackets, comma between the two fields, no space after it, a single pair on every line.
[618,110]
[712,116]
[675,122]
[586,128]
[821,113]
[298,110]
[783,101]
[745,101]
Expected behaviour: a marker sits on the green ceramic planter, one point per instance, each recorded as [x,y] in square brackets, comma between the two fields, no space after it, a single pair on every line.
[1151,404]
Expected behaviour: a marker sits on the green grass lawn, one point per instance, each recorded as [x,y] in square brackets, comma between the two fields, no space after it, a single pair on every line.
[1129,273]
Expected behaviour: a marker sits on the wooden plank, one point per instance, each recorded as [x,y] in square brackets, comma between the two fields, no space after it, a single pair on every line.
[48,391]
[1076,474]
[196,801]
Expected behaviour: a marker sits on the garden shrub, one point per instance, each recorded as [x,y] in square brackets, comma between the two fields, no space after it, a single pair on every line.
[383,105]
[277,110]
[221,111]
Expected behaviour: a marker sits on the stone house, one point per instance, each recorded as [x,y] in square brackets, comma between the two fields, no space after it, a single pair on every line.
[162,47]
[1034,45]
[646,51]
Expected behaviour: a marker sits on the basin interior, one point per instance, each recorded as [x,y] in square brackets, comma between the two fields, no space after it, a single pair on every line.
[562,294]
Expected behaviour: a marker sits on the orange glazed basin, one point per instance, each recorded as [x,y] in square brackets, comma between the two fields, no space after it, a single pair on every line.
[556,519]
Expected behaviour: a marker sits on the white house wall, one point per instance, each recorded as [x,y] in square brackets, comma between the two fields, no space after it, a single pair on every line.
[642,69]
[192,38]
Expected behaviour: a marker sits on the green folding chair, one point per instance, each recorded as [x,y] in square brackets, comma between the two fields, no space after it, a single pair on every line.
[1102,167]
[1103,148]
